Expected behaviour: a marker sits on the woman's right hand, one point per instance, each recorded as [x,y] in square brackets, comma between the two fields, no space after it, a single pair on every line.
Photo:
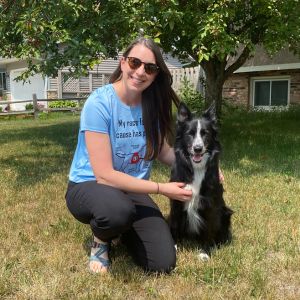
[175,190]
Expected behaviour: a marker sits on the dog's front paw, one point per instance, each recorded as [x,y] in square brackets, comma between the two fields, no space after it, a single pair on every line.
[203,256]
[188,187]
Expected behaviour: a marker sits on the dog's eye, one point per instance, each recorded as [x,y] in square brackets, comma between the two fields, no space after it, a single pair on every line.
[191,132]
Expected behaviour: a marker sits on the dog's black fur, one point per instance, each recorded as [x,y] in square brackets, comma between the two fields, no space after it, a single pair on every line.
[197,156]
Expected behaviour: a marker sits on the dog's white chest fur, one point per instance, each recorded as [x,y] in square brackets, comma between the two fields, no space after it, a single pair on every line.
[194,220]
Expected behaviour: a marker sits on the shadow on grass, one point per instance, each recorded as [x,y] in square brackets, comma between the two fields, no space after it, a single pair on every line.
[35,153]
[253,143]
[260,143]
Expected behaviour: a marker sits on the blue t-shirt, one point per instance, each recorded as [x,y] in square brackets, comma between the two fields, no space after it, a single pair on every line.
[104,112]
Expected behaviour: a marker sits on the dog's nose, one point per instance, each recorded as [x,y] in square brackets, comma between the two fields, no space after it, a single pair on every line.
[198,148]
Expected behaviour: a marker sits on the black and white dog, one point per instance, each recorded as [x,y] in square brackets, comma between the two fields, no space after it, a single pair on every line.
[206,217]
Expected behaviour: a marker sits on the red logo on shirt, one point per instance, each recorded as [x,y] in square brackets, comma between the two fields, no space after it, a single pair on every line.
[135,158]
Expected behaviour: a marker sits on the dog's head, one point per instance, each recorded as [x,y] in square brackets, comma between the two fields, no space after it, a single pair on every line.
[196,136]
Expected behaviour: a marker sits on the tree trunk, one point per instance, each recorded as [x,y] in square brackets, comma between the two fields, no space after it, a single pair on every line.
[213,93]
[215,77]
[216,72]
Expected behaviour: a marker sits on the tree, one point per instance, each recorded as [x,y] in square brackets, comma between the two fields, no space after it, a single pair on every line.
[219,35]
[51,34]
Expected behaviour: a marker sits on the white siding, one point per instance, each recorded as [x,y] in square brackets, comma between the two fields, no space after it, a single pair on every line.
[23,90]
[84,85]
[53,84]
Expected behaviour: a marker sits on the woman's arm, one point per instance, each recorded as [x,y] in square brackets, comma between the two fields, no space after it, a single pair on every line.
[166,155]
[99,150]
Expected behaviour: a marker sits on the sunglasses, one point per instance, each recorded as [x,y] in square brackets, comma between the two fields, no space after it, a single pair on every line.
[134,63]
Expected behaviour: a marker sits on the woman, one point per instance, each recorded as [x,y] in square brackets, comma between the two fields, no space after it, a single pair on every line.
[124,126]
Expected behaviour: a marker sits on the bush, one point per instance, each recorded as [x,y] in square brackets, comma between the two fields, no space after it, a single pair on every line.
[192,98]
[63,104]
[29,106]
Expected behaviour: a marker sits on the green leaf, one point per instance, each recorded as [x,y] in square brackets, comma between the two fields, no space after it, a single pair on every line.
[157,40]
[171,24]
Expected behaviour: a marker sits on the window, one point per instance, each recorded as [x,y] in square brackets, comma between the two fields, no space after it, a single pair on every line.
[271,92]
[2,81]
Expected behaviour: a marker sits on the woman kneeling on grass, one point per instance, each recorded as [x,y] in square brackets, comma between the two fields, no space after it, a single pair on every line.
[124,126]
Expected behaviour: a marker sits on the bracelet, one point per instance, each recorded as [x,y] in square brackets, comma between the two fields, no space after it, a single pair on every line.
[157,192]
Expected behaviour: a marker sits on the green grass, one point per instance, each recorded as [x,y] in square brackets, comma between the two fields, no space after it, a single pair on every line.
[44,251]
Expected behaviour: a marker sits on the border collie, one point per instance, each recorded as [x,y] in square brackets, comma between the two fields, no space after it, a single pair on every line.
[205,217]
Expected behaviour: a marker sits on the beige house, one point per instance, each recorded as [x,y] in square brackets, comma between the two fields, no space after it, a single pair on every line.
[264,82]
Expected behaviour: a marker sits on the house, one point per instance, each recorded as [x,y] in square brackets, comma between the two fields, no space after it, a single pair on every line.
[10,68]
[264,81]
[62,86]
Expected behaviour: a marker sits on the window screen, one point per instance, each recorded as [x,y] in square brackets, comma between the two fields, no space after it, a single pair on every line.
[271,92]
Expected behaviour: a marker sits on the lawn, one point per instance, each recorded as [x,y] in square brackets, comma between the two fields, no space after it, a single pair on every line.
[44,251]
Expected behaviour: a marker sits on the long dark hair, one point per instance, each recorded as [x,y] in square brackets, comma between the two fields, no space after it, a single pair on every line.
[156,100]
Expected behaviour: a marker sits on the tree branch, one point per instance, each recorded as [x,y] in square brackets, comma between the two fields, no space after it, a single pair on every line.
[239,62]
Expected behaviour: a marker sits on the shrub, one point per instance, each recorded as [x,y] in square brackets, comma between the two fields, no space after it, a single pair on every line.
[192,98]
[29,106]
[63,104]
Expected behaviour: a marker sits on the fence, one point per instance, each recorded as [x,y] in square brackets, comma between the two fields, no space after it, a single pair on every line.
[65,85]
[38,108]
[193,75]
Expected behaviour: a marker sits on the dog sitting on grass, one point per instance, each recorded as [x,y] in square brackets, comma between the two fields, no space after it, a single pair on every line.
[205,217]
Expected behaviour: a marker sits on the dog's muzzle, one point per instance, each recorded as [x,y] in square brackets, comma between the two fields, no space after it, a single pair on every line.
[197,154]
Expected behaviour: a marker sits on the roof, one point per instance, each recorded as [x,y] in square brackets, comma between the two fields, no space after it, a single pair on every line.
[262,61]
[5,61]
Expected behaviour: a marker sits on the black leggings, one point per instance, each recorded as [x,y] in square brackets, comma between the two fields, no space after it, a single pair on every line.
[111,212]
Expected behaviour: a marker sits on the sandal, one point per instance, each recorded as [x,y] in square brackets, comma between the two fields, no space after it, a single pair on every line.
[101,248]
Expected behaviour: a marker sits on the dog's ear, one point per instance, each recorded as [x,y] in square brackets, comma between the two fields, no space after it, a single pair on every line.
[184,113]
[210,113]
